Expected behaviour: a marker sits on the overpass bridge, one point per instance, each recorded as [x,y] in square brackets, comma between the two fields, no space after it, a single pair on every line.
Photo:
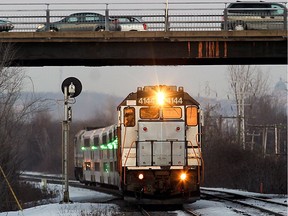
[179,33]
[147,48]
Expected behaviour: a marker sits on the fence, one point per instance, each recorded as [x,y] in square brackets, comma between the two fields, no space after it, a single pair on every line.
[169,16]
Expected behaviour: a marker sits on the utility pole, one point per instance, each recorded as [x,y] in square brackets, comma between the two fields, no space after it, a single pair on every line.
[241,118]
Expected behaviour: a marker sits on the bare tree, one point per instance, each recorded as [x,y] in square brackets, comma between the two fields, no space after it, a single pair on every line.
[15,110]
[246,81]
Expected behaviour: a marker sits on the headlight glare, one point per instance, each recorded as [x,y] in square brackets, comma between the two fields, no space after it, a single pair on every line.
[183,176]
[140,176]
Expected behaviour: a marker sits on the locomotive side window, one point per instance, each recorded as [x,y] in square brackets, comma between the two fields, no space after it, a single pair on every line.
[149,113]
[129,117]
[172,113]
[87,142]
[191,114]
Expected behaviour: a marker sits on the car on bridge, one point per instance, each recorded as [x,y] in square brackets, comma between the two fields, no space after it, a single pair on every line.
[254,15]
[80,22]
[6,26]
[130,23]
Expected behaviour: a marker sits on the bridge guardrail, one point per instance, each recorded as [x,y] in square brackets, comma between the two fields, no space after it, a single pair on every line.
[169,16]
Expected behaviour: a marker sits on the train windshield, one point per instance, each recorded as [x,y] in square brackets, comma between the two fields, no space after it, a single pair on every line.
[172,113]
[149,113]
[167,113]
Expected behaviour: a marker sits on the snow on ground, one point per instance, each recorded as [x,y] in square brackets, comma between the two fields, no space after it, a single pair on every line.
[78,196]
[82,207]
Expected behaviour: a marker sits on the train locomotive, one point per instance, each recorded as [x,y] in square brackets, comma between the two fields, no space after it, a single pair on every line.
[153,154]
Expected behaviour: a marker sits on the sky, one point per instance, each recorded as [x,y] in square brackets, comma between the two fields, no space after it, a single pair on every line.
[200,80]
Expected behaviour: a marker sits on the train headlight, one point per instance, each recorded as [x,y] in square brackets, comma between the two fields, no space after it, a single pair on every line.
[160,98]
[183,176]
[140,176]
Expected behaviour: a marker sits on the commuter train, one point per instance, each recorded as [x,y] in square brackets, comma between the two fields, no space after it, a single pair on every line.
[153,154]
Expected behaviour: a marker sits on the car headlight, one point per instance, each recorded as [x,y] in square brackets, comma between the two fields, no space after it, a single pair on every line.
[41,26]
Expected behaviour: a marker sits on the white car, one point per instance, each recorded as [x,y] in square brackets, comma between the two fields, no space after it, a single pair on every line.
[251,15]
[129,23]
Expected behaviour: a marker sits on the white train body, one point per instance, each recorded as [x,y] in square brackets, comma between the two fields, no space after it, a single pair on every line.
[95,156]
[158,157]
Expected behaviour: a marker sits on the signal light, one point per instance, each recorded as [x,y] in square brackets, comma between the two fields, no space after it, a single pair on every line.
[69,113]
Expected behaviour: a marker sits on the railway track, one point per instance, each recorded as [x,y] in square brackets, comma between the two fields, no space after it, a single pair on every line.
[191,211]
[251,203]
[127,210]
[263,205]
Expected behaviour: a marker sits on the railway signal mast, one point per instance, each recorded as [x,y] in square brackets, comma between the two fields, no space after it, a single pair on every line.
[71,87]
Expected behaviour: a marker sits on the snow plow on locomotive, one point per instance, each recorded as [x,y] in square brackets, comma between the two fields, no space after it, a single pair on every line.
[153,154]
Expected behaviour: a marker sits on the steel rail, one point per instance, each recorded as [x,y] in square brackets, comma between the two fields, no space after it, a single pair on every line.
[246,196]
[265,210]
[191,211]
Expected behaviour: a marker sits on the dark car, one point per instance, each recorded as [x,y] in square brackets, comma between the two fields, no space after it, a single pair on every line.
[80,22]
[5,26]
[249,15]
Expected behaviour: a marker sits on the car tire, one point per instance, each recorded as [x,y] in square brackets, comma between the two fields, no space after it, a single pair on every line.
[239,26]
[100,29]
[53,30]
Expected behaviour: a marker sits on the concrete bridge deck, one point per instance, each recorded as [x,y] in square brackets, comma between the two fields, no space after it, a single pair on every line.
[147,48]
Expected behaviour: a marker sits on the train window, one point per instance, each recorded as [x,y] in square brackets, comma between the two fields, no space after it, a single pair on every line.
[192,117]
[111,166]
[86,142]
[172,113]
[87,165]
[101,155]
[110,136]
[108,153]
[129,117]
[114,134]
[149,113]
[96,141]
[106,167]
[104,139]
[97,166]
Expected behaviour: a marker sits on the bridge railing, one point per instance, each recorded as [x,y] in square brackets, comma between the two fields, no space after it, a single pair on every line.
[182,16]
